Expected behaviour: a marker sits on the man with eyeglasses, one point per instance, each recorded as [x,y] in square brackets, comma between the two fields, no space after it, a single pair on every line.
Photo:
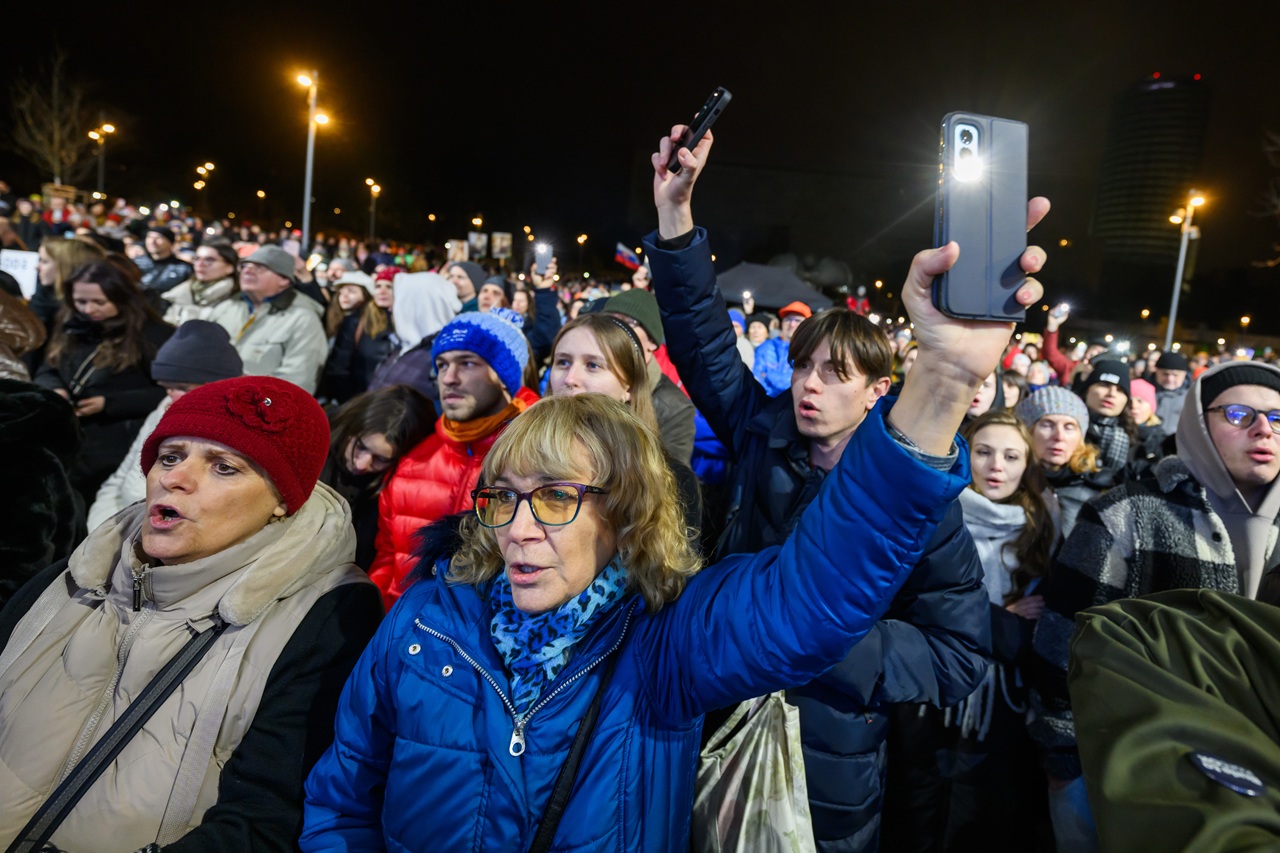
[479,361]
[275,328]
[1207,519]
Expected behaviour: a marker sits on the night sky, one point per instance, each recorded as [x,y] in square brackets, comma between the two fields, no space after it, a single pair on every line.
[537,113]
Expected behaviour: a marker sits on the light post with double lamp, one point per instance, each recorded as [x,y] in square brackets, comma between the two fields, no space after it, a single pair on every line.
[374,191]
[1189,232]
[99,135]
[311,81]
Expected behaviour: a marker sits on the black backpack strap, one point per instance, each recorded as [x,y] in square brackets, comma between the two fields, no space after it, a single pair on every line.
[54,811]
[569,770]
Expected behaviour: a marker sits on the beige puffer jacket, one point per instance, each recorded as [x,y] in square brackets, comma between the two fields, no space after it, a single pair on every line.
[67,688]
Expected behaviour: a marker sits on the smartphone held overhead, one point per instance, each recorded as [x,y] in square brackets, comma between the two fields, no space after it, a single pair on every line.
[701,123]
[982,206]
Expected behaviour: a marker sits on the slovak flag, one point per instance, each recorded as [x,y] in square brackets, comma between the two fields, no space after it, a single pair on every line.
[626,257]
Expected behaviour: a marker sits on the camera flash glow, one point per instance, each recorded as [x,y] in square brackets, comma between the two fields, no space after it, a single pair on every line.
[968,168]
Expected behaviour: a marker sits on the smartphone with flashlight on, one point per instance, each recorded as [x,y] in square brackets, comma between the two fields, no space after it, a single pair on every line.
[542,258]
[982,205]
[701,123]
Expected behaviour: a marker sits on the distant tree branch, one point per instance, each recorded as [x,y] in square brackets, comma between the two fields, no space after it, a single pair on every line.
[51,123]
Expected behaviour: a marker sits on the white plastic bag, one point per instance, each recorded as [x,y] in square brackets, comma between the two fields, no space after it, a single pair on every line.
[750,795]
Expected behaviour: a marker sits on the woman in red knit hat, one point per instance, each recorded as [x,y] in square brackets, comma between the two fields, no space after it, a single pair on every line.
[236,557]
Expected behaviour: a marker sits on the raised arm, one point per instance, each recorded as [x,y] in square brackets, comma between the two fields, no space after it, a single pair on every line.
[758,623]
[700,338]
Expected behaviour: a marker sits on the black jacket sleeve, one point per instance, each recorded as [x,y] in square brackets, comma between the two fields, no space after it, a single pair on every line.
[546,323]
[934,643]
[260,794]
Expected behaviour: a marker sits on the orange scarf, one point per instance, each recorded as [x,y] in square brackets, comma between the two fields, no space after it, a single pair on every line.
[466,432]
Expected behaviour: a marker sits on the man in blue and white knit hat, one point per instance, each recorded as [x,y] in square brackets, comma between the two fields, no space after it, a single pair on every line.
[480,360]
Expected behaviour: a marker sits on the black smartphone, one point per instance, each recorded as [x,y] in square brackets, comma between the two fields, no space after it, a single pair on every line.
[701,123]
[982,205]
[542,258]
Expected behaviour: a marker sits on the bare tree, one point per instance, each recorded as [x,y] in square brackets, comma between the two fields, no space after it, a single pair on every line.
[50,122]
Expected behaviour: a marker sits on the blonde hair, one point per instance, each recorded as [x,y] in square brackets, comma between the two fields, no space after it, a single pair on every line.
[621,350]
[1085,459]
[69,254]
[596,437]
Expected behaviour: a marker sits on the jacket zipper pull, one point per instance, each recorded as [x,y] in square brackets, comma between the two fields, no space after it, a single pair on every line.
[137,593]
[517,740]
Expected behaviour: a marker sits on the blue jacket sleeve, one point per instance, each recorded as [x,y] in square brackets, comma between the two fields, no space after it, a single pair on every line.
[343,809]
[700,338]
[757,623]
[935,644]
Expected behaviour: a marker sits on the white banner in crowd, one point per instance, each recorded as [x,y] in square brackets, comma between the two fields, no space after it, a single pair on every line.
[22,266]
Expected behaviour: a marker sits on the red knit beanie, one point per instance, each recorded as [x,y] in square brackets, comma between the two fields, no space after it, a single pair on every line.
[271,422]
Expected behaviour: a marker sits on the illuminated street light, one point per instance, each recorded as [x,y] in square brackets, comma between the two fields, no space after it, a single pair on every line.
[1244,321]
[321,118]
[879,284]
[209,166]
[99,135]
[527,229]
[311,82]
[1146,312]
[262,193]
[477,221]
[1189,232]
[582,238]
[374,191]
[431,217]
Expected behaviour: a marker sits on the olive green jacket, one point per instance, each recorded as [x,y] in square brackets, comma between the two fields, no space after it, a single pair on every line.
[1156,682]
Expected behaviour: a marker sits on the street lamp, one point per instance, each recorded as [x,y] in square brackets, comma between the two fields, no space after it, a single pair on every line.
[374,191]
[1189,232]
[99,135]
[311,81]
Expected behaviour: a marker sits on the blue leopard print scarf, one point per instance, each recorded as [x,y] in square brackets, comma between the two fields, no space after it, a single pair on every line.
[537,647]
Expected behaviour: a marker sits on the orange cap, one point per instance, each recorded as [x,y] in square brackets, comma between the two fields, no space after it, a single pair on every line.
[796,308]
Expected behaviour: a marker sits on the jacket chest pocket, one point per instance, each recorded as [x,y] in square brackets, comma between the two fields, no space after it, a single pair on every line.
[440,695]
[265,356]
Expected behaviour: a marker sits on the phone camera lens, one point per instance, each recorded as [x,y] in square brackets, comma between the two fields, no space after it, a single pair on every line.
[966,137]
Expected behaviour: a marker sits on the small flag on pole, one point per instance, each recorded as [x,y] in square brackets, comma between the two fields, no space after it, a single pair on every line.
[626,257]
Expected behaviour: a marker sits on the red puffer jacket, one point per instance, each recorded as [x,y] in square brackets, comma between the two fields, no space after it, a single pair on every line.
[433,480]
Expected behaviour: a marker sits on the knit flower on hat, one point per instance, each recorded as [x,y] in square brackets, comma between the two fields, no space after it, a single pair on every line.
[258,411]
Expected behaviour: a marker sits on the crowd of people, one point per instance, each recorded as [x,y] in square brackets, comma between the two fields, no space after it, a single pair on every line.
[352,547]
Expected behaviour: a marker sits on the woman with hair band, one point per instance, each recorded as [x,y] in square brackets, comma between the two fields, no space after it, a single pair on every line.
[600,353]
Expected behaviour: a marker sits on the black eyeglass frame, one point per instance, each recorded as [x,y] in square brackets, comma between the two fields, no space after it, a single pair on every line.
[1273,416]
[580,488]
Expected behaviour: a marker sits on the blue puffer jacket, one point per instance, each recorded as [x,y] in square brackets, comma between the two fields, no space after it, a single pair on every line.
[421,758]
[772,365]
[935,642]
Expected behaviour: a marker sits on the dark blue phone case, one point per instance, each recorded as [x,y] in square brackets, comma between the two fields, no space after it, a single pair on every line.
[987,217]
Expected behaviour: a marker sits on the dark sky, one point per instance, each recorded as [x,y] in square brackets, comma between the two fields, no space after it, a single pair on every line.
[536,113]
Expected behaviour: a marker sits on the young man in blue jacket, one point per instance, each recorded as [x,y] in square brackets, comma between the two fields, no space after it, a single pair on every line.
[933,644]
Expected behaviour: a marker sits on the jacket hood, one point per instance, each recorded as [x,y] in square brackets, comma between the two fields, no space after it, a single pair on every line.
[276,562]
[31,416]
[425,302]
[1249,527]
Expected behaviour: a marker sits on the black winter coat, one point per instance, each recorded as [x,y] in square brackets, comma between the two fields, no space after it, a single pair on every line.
[933,644]
[129,395]
[353,360]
